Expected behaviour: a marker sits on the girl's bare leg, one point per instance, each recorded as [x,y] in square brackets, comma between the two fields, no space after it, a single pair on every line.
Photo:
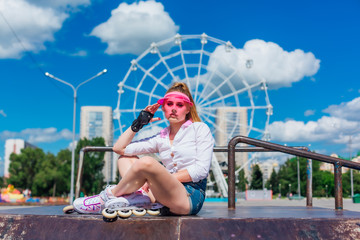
[165,187]
[124,164]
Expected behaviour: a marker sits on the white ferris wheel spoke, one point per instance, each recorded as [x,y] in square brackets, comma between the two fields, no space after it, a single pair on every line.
[229,95]
[199,70]
[184,64]
[142,92]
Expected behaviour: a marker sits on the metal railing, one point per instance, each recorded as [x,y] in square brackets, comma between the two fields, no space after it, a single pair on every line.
[81,165]
[338,164]
[260,146]
[232,180]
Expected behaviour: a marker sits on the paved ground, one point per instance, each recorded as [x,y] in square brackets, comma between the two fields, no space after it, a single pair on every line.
[275,219]
[317,202]
[277,208]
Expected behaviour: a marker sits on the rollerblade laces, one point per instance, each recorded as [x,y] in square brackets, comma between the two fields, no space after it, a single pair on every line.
[90,205]
[94,204]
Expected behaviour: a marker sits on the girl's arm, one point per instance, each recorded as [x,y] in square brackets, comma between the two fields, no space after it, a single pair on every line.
[183,175]
[204,152]
[126,138]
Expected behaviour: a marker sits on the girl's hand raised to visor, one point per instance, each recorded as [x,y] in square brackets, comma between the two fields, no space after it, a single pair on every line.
[153,108]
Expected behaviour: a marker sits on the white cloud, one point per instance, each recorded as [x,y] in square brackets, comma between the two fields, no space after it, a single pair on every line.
[131,28]
[309,113]
[349,110]
[337,128]
[38,135]
[34,23]
[273,157]
[80,53]
[277,66]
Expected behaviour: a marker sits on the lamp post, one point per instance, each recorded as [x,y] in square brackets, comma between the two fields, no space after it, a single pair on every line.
[74,118]
[326,187]
[289,189]
[351,170]
[280,190]
[298,176]
[350,158]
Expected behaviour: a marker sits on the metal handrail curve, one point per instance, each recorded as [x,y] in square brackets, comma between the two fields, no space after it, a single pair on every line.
[338,164]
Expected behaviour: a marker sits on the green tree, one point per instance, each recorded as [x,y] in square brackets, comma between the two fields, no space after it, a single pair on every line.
[346,181]
[323,183]
[24,166]
[92,178]
[63,179]
[53,177]
[256,178]
[288,175]
[242,181]
[273,182]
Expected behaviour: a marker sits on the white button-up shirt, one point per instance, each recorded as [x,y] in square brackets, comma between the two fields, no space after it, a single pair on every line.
[192,149]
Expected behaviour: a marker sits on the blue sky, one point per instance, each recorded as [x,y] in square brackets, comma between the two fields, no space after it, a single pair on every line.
[317,103]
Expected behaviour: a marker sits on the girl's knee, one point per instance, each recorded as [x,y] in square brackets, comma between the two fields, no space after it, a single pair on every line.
[144,164]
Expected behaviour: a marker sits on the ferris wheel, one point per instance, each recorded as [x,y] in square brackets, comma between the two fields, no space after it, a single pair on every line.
[228,97]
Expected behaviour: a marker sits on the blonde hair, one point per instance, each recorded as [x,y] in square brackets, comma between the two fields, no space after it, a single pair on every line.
[183,88]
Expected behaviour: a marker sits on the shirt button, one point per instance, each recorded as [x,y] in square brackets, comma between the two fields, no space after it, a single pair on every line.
[172,154]
[175,164]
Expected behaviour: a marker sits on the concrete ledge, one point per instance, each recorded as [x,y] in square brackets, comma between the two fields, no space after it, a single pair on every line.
[270,229]
[59,227]
[93,227]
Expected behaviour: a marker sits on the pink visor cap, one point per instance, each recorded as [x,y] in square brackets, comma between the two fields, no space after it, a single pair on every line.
[178,95]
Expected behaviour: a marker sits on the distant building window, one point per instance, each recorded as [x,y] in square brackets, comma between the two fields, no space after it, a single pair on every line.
[95,124]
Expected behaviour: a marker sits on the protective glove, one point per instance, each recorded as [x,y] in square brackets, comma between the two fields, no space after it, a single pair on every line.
[142,120]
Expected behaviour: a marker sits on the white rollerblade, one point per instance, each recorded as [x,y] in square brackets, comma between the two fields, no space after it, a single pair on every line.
[137,203]
[90,205]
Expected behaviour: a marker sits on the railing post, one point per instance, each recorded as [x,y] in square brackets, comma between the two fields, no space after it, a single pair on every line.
[338,186]
[80,172]
[231,173]
[309,202]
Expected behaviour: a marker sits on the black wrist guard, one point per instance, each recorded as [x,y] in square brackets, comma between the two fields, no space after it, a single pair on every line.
[143,119]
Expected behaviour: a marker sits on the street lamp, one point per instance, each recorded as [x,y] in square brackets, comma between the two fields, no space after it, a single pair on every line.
[289,188]
[74,117]
[298,176]
[350,158]
[351,170]
[326,187]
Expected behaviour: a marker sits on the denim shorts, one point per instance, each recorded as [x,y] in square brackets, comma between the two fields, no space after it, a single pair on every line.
[196,193]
